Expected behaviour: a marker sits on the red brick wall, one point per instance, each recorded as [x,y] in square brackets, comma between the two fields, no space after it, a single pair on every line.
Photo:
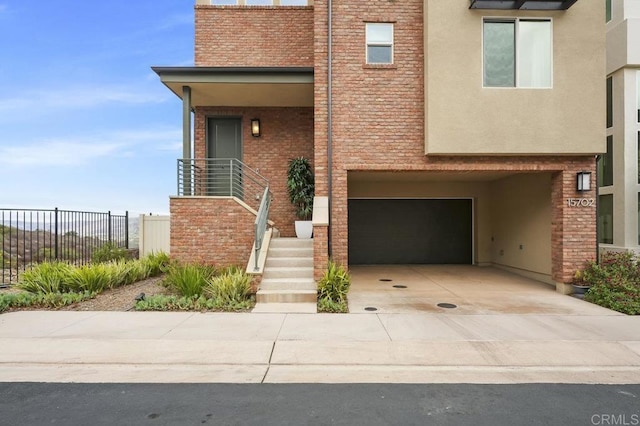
[254,36]
[573,229]
[320,251]
[213,231]
[286,133]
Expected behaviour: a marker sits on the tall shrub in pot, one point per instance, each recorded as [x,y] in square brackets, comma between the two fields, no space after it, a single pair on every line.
[300,186]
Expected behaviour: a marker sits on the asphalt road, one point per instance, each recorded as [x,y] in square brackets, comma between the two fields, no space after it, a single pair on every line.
[314,404]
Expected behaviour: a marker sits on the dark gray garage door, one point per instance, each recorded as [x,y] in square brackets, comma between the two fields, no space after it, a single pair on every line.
[435,231]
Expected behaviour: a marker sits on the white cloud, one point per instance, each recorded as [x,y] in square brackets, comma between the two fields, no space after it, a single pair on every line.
[83,97]
[55,153]
[83,150]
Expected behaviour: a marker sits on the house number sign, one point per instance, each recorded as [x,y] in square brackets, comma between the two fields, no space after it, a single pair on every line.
[581,202]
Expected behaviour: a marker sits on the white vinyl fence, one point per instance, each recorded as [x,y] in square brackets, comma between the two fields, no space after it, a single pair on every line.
[154,234]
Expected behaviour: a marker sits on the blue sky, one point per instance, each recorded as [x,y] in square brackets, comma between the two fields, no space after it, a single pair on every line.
[85,124]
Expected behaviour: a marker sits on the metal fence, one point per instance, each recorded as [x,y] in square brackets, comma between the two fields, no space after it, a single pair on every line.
[30,236]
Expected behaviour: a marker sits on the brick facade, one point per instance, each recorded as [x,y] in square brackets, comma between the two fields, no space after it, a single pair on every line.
[286,133]
[253,36]
[379,124]
[211,231]
[378,116]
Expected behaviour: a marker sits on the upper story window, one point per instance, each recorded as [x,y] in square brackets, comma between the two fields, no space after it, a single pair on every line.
[608,7]
[638,93]
[517,53]
[609,102]
[605,165]
[379,43]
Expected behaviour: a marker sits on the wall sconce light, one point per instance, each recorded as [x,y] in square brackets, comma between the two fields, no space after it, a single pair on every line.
[255,127]
[584,181]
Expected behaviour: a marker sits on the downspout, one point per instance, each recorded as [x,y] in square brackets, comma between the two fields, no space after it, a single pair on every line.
[329,116]
[597,213]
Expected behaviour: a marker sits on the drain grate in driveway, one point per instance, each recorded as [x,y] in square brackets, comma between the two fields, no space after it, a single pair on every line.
[385,280]
[447,305]
[399,286]
[370,309]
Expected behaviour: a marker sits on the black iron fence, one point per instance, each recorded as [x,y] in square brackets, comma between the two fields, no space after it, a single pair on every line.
[30,236]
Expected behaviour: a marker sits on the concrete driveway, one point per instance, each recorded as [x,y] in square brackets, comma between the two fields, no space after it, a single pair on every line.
[472,289]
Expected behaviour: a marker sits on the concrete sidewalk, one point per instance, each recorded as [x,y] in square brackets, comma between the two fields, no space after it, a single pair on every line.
[48,346]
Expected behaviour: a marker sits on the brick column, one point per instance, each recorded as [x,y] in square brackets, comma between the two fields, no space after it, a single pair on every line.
[573,224]
[320,251]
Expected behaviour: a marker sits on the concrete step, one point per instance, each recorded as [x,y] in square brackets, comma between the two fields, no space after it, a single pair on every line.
[286,308]
[289,252]
[288,284]
[288,272]
[292,243]
[287,296]
[278,262]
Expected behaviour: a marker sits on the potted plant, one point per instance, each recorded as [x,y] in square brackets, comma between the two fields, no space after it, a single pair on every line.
[580,286]
[300,186]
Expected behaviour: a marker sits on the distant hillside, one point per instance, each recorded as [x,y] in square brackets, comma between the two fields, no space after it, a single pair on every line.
[97,228]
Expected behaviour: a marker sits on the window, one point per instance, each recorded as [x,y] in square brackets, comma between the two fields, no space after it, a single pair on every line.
[517,53]
[605,219]
[638,218]
[379,43]
[608,7]
[605,165]
[609,102]
[638,91]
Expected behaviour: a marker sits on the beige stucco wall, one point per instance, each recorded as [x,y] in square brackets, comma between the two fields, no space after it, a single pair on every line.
[521,222]
[478,191]
[464,118]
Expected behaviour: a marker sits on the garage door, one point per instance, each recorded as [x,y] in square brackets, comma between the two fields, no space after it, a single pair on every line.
[434,231]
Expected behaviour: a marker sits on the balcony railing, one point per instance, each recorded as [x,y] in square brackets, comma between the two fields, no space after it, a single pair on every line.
[221,177]
[256,2]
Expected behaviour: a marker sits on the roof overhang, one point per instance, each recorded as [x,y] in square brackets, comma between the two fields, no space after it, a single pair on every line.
[522,4]
[241,86]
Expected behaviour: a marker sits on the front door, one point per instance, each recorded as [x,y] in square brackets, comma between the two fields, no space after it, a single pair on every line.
[224,144]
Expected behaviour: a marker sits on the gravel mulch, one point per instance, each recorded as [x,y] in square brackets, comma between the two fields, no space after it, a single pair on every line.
[120,298]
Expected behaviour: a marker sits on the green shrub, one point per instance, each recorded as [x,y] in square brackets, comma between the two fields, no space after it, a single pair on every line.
[108,252]
[180,303]
[230,289]
[157,263]
[188,280]
[335,282]
[614,282]
[328,306]
[91,278]
[41,300]
[46,277]
[333,288]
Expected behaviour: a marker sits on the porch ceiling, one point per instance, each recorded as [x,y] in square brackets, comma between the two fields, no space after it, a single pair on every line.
[244,86]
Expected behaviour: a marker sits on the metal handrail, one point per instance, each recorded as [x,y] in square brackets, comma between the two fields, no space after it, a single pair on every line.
[222,177]
[261,224]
